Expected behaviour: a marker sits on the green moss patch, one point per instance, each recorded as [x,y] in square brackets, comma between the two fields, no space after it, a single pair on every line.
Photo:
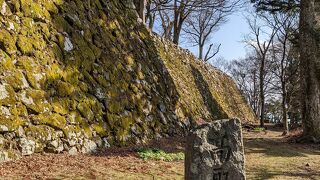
[160,155]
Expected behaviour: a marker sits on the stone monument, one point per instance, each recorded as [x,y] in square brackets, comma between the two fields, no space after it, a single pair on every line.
[215,151]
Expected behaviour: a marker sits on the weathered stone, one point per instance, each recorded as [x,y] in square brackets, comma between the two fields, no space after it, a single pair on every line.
[4,156]
[72,139]
[162,108]
[73,151]
[163,118]
[215,151]
[27,146]
[105,143]
[20,132]
[89,146]
[4,128]
[55,146]
[2,140]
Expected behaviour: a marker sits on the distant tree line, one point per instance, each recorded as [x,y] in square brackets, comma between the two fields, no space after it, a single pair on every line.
[308,58]
[268,76]
[280,75]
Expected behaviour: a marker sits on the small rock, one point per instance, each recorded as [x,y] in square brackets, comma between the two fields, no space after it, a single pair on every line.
[25,99]
[89,146]
[54,144]
[4,156]
[163,119]
[3,92]
[3,8]
[27,146]
[60,148]
[149,118]
[4,128]
[5,111]
[105,143]
[20,132]
[1,141]
[73,151]
[68,46]
[72,139]
[162,108]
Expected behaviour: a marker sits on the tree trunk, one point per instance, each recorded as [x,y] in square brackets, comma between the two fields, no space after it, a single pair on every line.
[310,68]
[284,89]
[262,98]
[179,18]
[140,7]
[284,110]
[200,51]
[149,16]
[177,31]
[175,23]
[255,99]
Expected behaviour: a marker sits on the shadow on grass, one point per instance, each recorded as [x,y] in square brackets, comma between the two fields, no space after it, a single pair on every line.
[277,149]
[264,173]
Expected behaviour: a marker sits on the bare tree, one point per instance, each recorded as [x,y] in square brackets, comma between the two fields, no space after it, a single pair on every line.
[141,7]
[286,23]
[211,52]
[199,27]
[180,10]
[153,7]
[245,73]
[260,39]
[309,64]
[166,23]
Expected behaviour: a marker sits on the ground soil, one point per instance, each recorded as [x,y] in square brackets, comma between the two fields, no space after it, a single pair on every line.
[268,156]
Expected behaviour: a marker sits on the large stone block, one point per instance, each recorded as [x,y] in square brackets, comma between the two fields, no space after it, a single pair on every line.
[215,152]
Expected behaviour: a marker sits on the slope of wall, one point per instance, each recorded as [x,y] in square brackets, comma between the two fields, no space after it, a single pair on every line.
[205,92]
[77,75]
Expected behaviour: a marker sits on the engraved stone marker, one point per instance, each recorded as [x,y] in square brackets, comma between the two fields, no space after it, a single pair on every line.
[215,152]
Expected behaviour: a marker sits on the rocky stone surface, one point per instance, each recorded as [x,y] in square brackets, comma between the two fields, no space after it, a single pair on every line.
[215,152]
[80,75]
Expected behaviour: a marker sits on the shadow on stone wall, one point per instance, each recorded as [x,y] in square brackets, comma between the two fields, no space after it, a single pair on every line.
[212,105]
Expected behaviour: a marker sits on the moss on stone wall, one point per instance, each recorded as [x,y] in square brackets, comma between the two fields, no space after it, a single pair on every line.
[77,75]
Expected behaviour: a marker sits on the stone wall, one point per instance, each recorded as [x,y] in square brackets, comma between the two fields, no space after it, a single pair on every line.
[77,75]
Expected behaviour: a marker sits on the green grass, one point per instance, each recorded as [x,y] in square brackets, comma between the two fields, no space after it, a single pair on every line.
[258,129]
[160,155]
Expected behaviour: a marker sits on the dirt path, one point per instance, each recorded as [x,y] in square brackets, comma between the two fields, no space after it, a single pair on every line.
[268,156]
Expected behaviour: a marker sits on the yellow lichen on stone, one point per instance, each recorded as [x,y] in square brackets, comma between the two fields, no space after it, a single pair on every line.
[24,45]
[84,108]
[79,71]
[10,124]
[64,89]
[60,105]
[53,120]
[8,41]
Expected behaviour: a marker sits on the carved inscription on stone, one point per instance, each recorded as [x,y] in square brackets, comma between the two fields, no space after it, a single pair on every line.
[215,152]
[219,174]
